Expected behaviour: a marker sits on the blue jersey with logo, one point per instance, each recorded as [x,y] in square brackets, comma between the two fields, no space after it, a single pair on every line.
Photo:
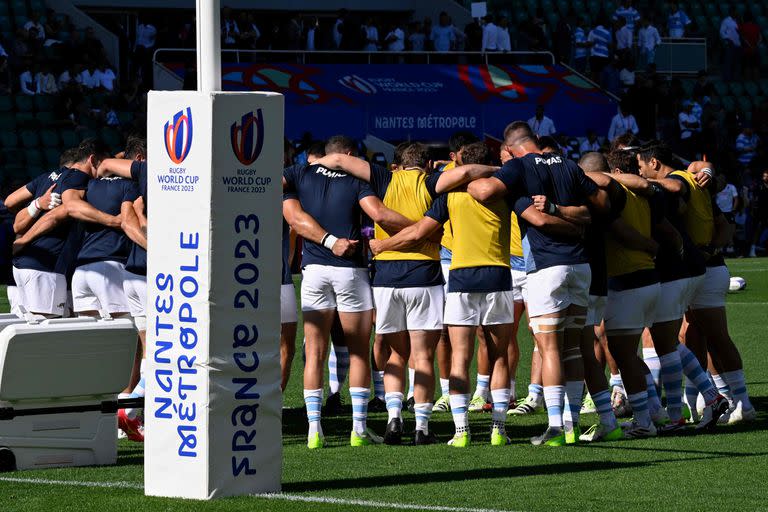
[564,183]
[332,199]
[44,252]
[101,243]
[137,258]
[404,273]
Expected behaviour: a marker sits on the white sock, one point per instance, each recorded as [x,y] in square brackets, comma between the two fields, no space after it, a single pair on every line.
[459,404]
[313,398]
[444,386]
[411,381]
[423,412]
[500,399]
[483,383]
[360,397]
[394,405]
[553,396]
[574,393]
[512,392]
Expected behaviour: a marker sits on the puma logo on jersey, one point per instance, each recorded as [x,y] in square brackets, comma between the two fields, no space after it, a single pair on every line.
[54,176]
[549,161]
[329,173]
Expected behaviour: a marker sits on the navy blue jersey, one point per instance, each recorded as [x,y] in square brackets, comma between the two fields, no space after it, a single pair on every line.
[332,199]
[403,273]
[101,243]
[44,252]
[564,183]
[287,279]
[137,258]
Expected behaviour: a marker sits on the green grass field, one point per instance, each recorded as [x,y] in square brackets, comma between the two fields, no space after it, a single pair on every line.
[723,471]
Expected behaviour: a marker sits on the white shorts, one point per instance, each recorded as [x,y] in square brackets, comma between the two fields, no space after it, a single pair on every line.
[630,311]
[408,309]
[479,308]
[519,287]
[135,289]
[672,301]
[596,309]
[98,286]
[41,292]
[347,290]
[446,267]
[12,292]
[712,289]
[288,311]
[556,288]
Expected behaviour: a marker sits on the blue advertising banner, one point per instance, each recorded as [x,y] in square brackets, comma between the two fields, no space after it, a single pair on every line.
[427,102]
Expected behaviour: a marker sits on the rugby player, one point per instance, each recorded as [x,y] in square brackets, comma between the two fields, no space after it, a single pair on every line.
[558,272]
[408,285]
[479,292]
[45,253]
[134,223]
[324,207]
[709,231]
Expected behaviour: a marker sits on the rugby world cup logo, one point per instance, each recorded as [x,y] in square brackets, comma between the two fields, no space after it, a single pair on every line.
[178,136]
[358,84]
[248,137]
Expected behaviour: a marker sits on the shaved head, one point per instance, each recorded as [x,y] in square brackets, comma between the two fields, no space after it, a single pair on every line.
[594,162]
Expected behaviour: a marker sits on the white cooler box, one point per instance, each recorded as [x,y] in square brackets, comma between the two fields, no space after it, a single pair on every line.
[51,373]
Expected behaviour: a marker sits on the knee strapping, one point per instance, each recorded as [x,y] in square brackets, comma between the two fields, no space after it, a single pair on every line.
[547,325]
[575,321]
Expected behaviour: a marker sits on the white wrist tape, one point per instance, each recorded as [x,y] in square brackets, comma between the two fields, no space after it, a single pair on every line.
[709,172]
[329,242]
[33,209]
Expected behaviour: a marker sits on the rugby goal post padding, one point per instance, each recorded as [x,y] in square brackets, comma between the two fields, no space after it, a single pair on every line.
[213,405]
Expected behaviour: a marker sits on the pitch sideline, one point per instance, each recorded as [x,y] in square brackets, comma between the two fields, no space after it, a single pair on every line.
[277,497]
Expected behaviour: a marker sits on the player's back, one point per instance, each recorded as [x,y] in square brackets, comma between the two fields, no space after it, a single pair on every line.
[332,199]
[101,243]
[564,184]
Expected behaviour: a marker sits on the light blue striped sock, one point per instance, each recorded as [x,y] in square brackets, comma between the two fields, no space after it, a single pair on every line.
[445,386]
[639,402]
[553,396]
[654,402]
[696,376]
[423,413]
[313,399]
[500,399]
[378,384]
[574,393]
[737,383]
[394,405]
[360,397]
[535,391]
[672,379]
[653,362]
[602,401]
[459,405]
[483,383]
[722,387]
[411,381]
[338,367]
[616,382]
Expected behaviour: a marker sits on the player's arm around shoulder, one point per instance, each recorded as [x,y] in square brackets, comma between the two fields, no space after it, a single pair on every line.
[353,165]
[391,221]
[453,178]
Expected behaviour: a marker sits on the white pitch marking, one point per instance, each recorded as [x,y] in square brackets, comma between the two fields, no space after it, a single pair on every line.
[280,497]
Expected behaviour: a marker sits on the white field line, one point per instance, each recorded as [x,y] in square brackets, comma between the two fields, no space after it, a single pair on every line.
[277,497]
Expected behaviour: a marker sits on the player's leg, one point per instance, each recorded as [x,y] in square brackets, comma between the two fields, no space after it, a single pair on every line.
[394,381]
[573,370]
[135,289]
[338,368]
[482,384]
[379,356]
[497,320]
[288,323]
[607,429]
[619,401]
[424,311]
[513,351]
[355,306]
[443,403]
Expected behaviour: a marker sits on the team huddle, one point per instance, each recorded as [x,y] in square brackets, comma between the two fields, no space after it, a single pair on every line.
[623,248]
[81,246]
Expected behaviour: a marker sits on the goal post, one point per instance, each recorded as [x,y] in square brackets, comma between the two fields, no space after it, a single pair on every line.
[213,405]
